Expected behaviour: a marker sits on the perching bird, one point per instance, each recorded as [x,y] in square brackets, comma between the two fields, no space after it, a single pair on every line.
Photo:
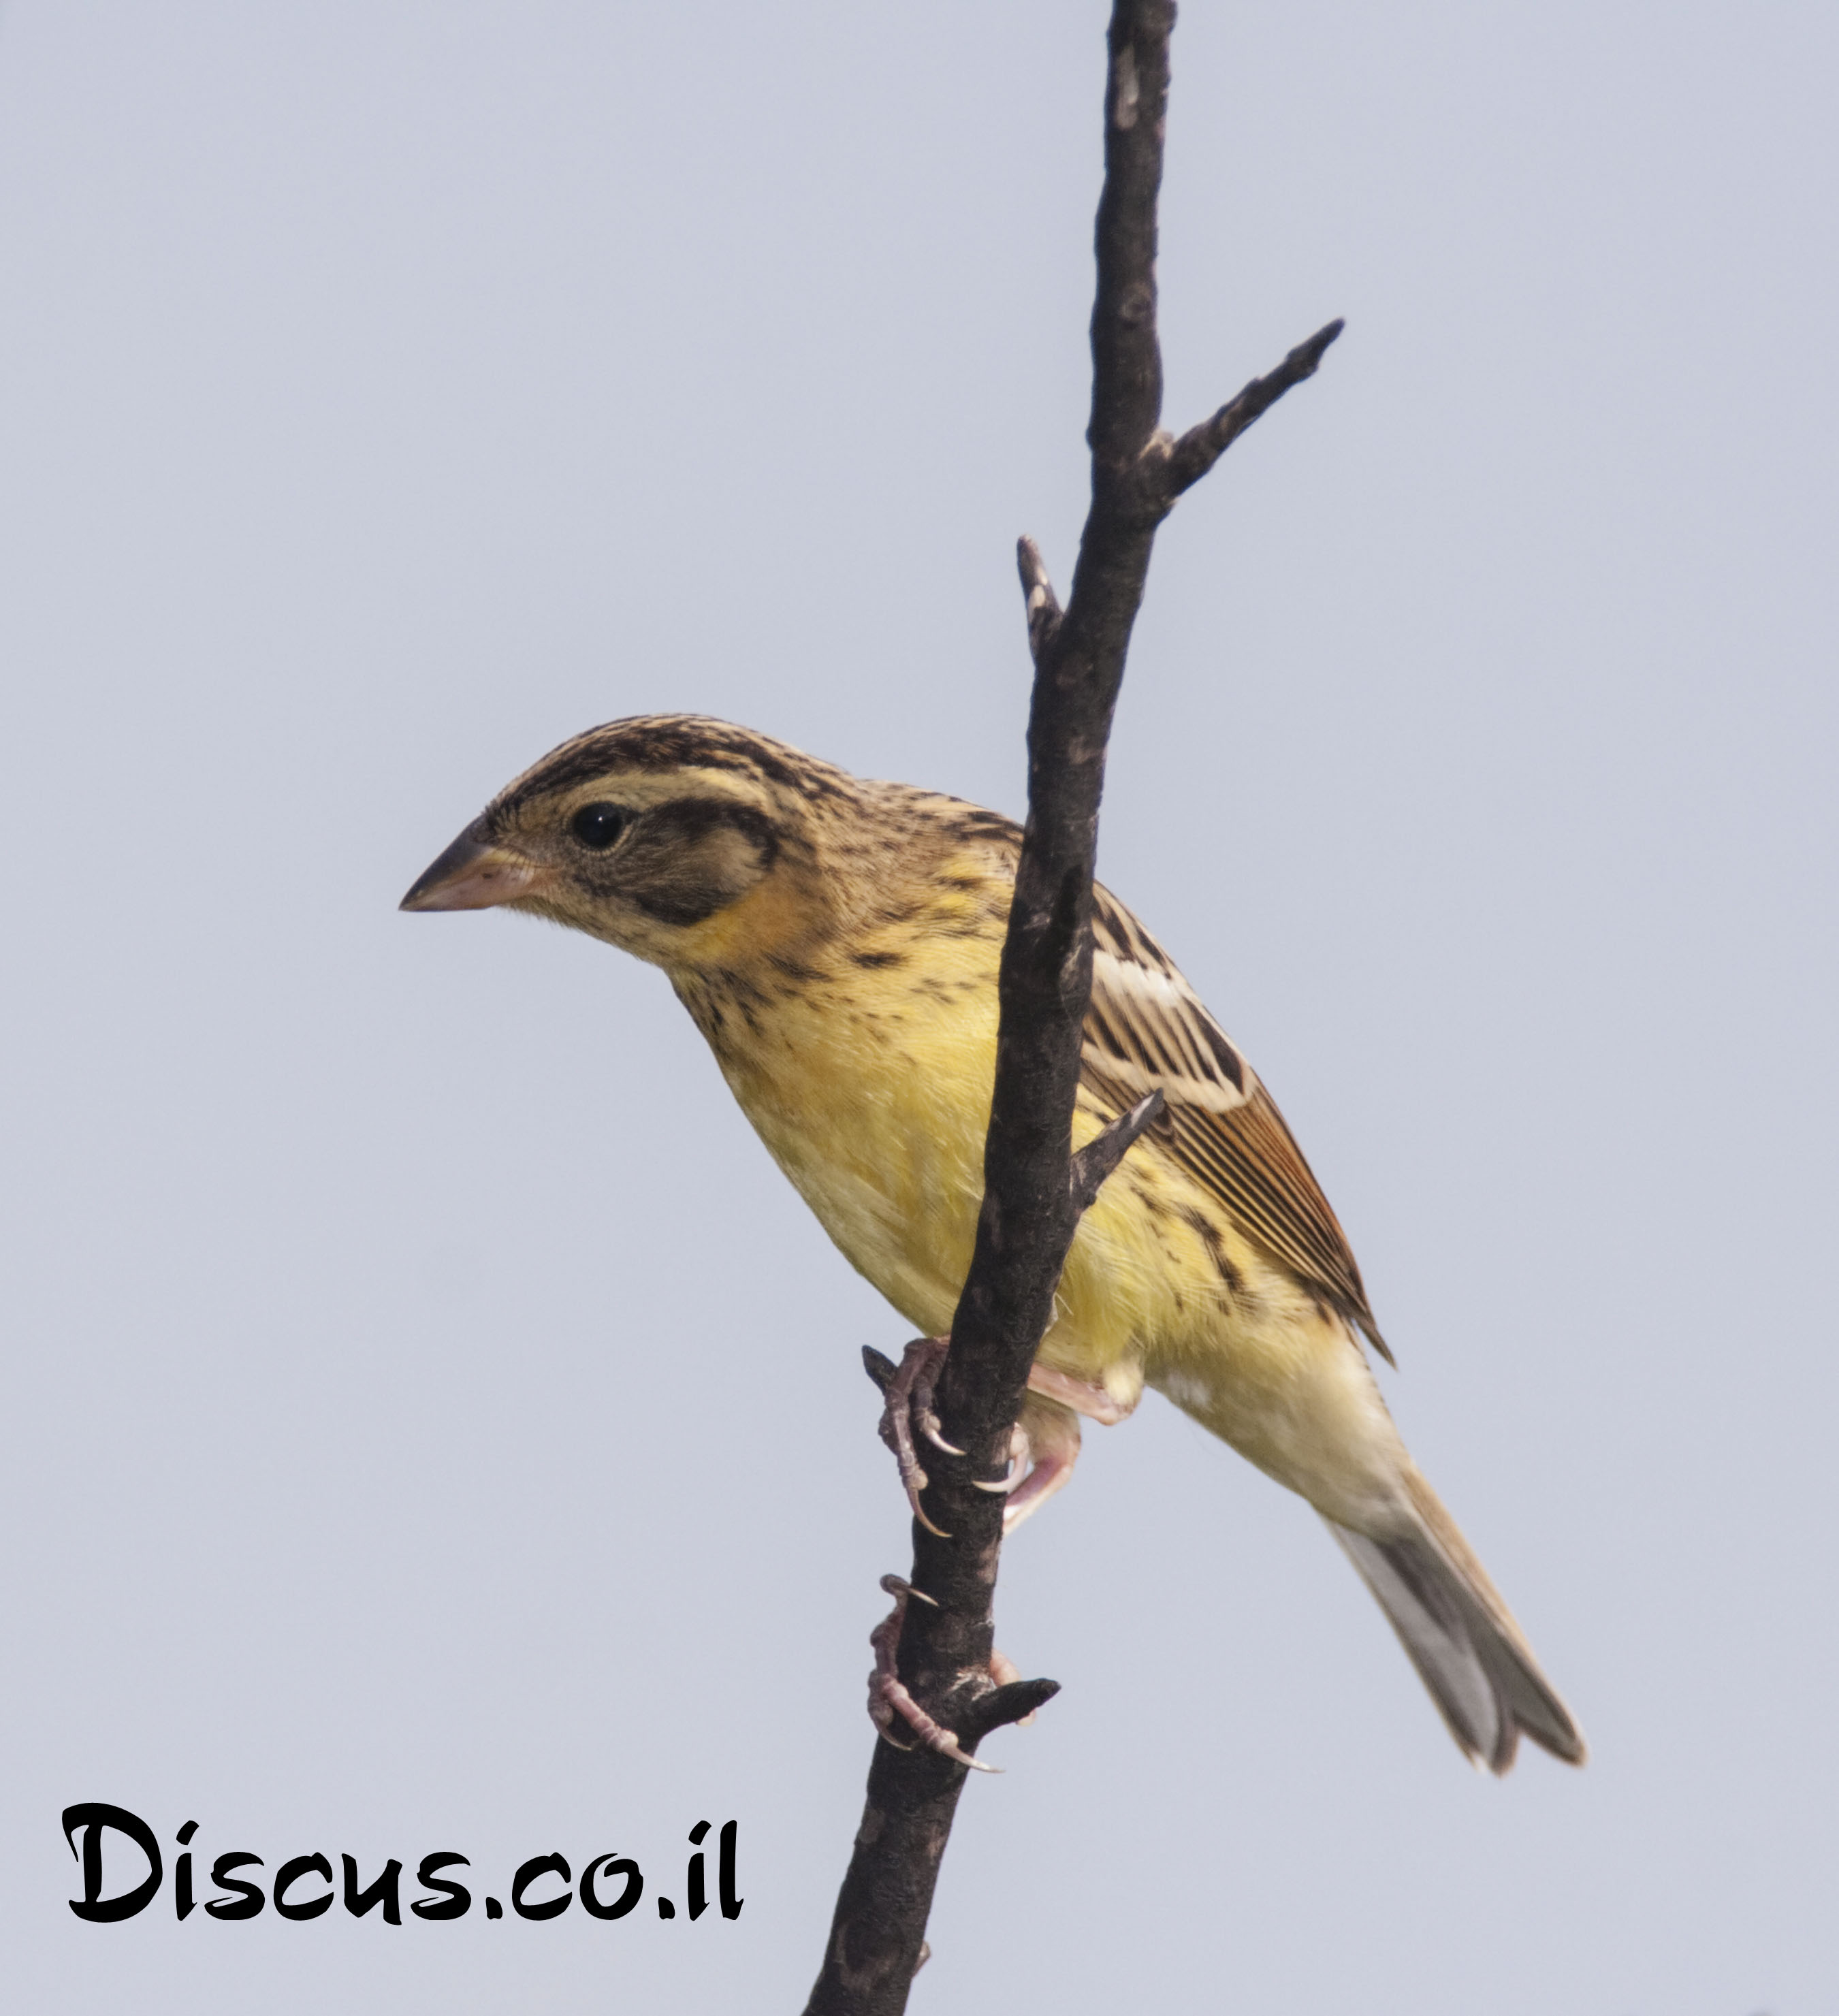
[837,942]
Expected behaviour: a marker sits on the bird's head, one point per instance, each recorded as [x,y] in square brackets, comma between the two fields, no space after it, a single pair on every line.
[685,841]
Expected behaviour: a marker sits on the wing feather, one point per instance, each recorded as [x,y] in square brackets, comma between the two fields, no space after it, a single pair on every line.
[1146,1027]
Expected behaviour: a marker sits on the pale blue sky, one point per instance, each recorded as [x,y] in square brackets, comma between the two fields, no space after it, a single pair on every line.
[429,1420]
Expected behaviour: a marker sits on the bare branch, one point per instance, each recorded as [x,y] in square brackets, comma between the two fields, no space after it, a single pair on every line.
[1034,1189]
[1104,1152]
[1202,446]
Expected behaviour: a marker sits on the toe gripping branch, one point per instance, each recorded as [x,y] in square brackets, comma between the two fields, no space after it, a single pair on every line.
[1005,1698]
[907,1390]
[1011,1699]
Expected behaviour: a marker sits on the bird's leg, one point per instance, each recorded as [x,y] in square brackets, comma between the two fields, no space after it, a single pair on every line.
[1042,1450]
[909,1404]
[1046,1447]
[1047,1437]
[1084,1396]
[887,1693]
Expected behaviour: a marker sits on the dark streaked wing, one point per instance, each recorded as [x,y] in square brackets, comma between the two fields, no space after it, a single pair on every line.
[1146,1027]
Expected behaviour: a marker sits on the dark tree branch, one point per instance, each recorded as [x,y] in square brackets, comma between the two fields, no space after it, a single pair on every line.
[1034,1188]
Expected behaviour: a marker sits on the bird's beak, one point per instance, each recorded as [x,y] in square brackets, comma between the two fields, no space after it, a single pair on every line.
[472,875]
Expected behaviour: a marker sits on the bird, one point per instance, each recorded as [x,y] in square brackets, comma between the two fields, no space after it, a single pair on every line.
[835,940]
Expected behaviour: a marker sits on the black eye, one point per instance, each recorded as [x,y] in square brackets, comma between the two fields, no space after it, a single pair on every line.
[599,826]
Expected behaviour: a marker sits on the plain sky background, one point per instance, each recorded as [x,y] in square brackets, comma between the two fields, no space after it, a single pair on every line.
[431,1423]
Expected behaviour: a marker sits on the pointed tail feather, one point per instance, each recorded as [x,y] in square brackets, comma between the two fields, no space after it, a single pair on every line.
[1461,1637]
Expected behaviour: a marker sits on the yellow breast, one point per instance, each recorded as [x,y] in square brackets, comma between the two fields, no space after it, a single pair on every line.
[872,1091]
[872,1094]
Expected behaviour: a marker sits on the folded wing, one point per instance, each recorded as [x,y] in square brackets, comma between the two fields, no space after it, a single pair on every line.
[1146,1028]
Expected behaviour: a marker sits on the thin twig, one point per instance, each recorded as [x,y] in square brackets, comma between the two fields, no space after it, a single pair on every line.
[1034,1189]
[1202,446]
[1038,599]
[1102,1154]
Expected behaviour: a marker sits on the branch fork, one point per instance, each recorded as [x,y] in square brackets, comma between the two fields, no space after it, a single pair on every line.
[1003,1697]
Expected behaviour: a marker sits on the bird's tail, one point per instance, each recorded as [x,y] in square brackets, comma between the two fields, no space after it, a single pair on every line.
[1461,1637]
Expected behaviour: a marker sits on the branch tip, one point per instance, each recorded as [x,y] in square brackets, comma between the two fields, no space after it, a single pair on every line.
[1042,604]
[1104,1152]
[1012,1703]
[1201,447]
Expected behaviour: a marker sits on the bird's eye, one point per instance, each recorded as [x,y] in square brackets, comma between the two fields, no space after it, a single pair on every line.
[598,826]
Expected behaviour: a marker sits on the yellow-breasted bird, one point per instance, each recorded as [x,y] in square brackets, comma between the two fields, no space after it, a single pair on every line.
[837,942]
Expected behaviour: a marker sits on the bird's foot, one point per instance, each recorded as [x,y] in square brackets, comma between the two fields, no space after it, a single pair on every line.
[1050,1470]
[1043,1447]
[1034,1475]
[888,1697]
[909,1406]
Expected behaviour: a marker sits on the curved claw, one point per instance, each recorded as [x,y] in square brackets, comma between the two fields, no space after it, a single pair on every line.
[1020,1454]
[899,1585]
[929,1427]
